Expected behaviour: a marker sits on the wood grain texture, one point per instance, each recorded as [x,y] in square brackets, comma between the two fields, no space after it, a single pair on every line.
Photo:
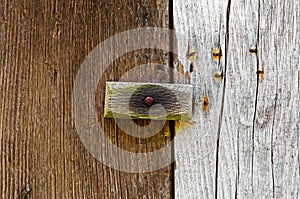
[252,149]
[174,100]
[42,44]
[276,166]
[203,22]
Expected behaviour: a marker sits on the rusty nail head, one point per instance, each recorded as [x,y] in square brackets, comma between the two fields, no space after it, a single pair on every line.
[149,100]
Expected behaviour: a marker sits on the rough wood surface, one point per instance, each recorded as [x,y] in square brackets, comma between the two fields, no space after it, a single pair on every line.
[170,101]
[247,143]
[195,148]
[42,44]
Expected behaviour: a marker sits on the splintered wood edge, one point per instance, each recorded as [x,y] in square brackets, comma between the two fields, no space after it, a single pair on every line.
[124,100]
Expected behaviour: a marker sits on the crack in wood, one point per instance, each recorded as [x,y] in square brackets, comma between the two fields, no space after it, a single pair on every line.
[223,98]
[237,178]
[256,98]
[272,133]
[272,149]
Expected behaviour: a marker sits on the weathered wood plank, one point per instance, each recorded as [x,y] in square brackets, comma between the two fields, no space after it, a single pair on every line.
[203,22]
[236,147]
[42,45]
[174,100]
[257,155]
[277,120]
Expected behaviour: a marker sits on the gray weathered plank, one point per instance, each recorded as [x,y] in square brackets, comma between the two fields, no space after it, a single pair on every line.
[257,155]
[276,140]
[235,152]
[203,22]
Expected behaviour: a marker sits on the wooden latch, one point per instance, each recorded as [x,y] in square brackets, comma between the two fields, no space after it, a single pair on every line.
[146,100]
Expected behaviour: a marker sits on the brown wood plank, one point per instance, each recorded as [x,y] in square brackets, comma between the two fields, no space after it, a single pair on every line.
[42,44]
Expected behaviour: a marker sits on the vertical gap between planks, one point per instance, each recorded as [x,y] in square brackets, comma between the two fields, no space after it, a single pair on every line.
[223,97]
[172,123]
[256,96]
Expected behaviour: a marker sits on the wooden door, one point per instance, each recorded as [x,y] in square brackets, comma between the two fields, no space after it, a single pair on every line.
[242,59]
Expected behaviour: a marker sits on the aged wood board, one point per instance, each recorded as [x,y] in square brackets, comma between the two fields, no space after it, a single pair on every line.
[243,142]
[42,47]
[246,145]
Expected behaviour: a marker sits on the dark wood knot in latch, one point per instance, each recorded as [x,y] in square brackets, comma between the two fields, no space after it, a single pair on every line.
[135,100]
